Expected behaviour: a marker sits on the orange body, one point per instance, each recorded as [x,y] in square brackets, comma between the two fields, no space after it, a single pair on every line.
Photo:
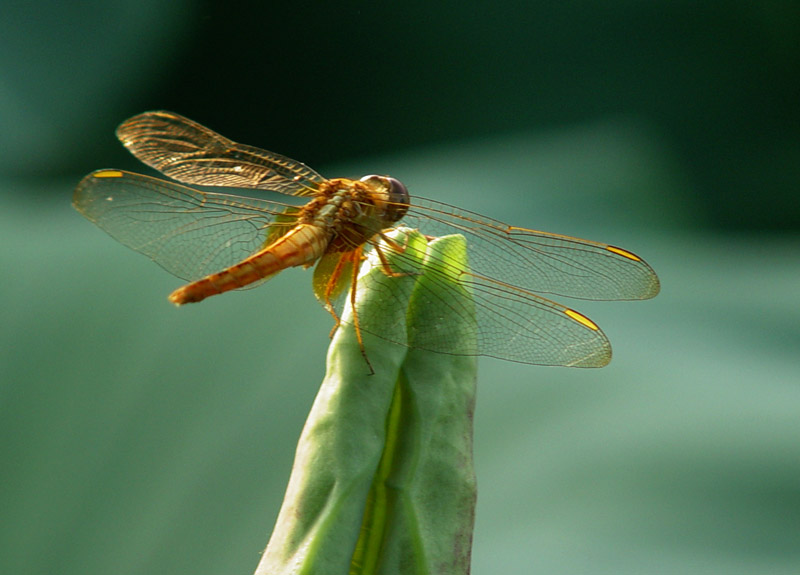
[302,246]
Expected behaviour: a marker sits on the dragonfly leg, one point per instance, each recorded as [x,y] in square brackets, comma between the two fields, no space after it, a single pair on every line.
[386,267]
[392,243]
[331,287]
[357,256]
[352,259]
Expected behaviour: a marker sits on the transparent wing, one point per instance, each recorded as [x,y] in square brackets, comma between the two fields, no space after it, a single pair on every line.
[190,153]
[538,261]
[511,323]
[506,265]
[187,232]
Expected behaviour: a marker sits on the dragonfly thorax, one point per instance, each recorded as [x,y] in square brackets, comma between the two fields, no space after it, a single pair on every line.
[354,211]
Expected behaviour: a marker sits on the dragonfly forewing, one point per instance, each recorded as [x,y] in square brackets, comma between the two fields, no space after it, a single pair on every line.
[191,153]
[539,261]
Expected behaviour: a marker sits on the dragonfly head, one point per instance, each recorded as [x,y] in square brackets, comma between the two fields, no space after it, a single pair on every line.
[392,194]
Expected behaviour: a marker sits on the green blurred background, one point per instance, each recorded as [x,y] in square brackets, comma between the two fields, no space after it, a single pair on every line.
[138,438]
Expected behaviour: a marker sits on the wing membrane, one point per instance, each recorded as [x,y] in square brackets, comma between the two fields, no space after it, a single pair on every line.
[190,153]
[187,232]
[539,261]
[511,323]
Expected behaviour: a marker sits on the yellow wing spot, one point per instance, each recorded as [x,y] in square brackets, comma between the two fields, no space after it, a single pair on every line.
[108,174]
[623,253]
[582,319]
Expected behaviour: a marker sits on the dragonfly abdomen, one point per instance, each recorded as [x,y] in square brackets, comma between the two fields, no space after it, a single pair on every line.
[303,245]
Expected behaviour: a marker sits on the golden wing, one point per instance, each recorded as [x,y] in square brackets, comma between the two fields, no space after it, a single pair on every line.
[192,154]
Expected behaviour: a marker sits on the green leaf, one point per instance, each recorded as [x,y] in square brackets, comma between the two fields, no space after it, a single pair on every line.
[383,479]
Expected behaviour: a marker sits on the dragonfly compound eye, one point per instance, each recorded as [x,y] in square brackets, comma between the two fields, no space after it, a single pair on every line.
[398,193]
[397,199]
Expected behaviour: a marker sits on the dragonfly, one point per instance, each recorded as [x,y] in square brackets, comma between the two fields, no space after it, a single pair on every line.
[242,236]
